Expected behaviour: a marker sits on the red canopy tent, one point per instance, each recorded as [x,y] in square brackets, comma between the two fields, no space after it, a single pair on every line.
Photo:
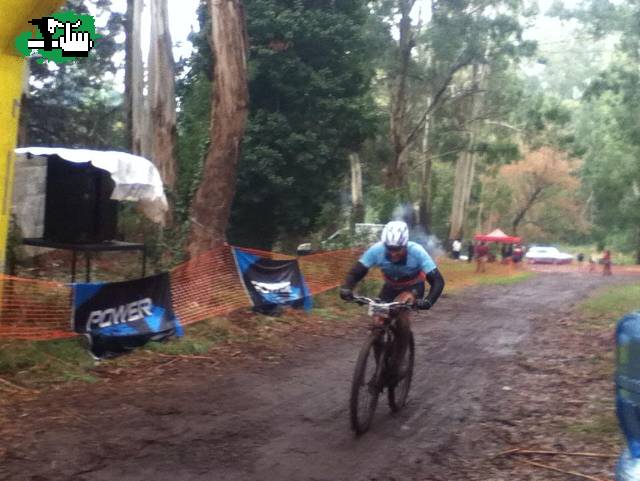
[497,236]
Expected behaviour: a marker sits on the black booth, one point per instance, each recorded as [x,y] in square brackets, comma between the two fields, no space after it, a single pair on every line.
[79,213]
[78,206]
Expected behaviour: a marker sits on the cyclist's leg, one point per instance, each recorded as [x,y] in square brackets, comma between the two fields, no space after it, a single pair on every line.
[403,324]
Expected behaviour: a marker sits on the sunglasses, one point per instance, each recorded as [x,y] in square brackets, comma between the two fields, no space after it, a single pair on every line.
[394,248]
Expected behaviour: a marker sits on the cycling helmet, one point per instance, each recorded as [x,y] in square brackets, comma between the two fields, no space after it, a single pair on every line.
[395,234]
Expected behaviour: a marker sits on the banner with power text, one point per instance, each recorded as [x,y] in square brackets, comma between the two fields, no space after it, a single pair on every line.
[117,317]
[271,283]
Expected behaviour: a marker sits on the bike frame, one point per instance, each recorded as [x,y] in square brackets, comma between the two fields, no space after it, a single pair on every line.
[385,332]
[380,345]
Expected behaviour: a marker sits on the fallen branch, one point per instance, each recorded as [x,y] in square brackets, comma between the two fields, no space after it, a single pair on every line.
[165,364]
[183,356]
[57,359]
[558,470]
[505,453]
[15,387]
[554,453]
[560,453]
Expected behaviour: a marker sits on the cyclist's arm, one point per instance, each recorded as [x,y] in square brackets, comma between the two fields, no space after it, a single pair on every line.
[368,260]
[436,285]
[434,278]
[355,275]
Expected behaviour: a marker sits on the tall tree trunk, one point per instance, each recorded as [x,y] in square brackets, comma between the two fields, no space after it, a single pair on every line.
[466,163]
[357,198]
[535,194]
[397,169]
[638,245]
[480,209]
[136,117]
[459,188]
[162,95]
[212,203]
[425,182]
[128,62]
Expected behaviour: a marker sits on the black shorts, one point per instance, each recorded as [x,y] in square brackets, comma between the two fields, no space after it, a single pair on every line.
[389,292]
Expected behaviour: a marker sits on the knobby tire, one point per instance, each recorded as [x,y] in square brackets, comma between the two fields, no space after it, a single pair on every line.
[397,395]
[365,384]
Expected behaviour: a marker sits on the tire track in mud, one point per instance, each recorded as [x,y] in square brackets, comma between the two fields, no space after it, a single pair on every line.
[289,422]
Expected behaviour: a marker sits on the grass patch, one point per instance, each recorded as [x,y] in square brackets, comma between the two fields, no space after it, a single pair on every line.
[40,361]
[598,427]
[459,275]
[503,280]
[608,305]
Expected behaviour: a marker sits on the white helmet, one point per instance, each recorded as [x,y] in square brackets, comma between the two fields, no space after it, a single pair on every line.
[395,234]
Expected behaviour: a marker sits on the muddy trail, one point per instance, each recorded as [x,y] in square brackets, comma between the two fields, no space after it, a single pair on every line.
[287,420]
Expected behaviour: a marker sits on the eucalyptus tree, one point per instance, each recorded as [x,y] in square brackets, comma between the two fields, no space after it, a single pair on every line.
[211,206]
[442,58]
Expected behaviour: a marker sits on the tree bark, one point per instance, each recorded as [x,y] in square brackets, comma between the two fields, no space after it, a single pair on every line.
[162,95]
[533,197]
[212,203]
[459,188]
[480,209]
[466,163]
[357,202]
[136,117]
[638,245]
[396,172]
[425,183]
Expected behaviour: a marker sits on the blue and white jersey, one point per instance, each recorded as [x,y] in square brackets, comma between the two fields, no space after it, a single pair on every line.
[416,261]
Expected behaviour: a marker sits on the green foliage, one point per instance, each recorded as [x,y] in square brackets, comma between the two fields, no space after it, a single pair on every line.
[193,89]
[607,137]
[77,104]
[442,195]
[310,71]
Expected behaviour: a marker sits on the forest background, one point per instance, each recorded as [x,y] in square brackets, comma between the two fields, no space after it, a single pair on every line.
[475,114]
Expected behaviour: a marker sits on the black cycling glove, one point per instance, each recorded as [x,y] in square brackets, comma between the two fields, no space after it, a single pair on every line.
[346,294]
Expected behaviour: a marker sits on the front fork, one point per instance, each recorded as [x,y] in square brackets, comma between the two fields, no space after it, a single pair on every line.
[383,355]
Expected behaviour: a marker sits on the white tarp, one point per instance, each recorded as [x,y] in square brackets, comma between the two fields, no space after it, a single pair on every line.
[136,178]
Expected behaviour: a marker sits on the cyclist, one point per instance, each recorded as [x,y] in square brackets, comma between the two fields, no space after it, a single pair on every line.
[405,266]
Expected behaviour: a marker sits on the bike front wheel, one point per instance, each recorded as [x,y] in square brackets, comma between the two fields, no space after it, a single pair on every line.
[366,385]
[398,393]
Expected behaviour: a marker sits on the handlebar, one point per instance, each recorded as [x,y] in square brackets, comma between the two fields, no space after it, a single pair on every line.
[365,301]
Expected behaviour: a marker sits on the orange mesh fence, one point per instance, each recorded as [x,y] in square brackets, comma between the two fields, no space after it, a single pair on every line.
[201,288]
[206,286]
[326,270]
[34,309]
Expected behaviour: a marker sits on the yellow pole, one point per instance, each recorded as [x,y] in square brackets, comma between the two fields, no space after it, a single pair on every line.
[15,15]
[11,71]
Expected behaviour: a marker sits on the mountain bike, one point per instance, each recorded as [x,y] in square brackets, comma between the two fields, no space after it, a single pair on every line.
[376,368]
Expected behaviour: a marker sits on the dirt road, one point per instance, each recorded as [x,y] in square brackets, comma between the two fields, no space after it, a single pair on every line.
[288,420]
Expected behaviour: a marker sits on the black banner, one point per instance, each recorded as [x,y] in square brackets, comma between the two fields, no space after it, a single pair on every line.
[119,316]
[270,283]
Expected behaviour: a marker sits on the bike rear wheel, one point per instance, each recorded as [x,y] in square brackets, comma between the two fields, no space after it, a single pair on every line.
[397,395]
[366,385]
